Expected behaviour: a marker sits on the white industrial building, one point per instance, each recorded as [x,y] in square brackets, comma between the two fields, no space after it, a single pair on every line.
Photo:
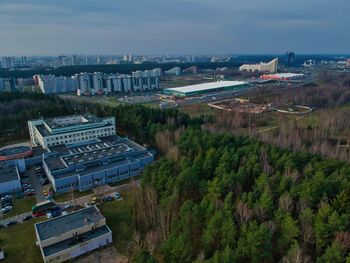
[270,67]
[68,236]
[69,129]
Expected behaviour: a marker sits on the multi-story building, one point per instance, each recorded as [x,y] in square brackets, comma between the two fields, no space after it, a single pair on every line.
[84,152]
[270,67]
[97,83]
[69,129]
[176,71]
[84,80]
[85,165]
[9,178]
[68,236]
[7,84]
[50,84]
[146,80]
[7,62]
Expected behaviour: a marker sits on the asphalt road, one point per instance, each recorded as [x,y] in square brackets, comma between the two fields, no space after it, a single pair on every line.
[18,218]
[100,193]
[34,181]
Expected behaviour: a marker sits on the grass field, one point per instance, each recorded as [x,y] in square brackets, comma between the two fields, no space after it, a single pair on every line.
[21,206]
[18,243]
[119,219]
[196,110]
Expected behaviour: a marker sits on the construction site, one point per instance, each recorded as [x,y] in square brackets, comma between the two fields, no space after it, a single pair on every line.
[242,105]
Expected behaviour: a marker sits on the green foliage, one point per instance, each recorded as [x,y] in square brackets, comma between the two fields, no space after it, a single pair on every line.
[232,209]
[143,257]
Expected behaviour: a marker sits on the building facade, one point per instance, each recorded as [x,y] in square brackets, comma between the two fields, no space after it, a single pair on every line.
[69,129]
[68,236]
[7,84]
[9,178]
[83,152]
[50,84]
[270,67]
[99,83]
[86,165]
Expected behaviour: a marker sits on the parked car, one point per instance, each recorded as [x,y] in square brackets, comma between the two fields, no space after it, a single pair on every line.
[30,193]
[30,190]
[27,218]
[6,203]
[6,209]
[44,182]
[38,168]
[67,207]
[118,196]
[19,195]
[6,197]
[12,223]
[107,199]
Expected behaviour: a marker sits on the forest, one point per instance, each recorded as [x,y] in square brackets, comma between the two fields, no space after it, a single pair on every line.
[135,120]
[212,196]
[234,199]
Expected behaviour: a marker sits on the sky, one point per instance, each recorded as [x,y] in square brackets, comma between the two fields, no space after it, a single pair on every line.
[53,27]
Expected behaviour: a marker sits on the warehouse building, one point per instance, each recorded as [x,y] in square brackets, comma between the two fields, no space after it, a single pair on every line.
[68,236]
[69,129]
[9,178]
[283,76]
[205,88]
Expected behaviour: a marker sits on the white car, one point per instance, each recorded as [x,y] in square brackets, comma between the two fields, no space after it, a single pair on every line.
[118,196]
[6,209]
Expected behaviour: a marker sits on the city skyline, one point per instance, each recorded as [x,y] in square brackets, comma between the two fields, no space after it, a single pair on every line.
[38,27]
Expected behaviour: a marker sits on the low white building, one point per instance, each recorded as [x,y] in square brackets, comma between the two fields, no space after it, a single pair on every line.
[68,236]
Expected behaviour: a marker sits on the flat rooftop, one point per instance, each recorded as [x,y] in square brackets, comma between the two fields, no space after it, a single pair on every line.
[8,172]
[14,150]
[286,75]
[113,149]
[71,242]
[206,86]
[70,123]
[66,223]
[71,120]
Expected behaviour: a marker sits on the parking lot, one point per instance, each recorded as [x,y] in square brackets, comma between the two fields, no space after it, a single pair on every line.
[34,179]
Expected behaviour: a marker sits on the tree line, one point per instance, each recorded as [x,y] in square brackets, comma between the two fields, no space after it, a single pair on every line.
[232,198]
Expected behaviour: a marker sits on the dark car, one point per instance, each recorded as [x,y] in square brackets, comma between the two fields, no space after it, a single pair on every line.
[12,223]
[107,199]
[27,217]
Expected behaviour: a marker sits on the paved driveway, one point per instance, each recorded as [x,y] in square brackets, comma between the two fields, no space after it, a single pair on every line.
[34,181]
[18,218]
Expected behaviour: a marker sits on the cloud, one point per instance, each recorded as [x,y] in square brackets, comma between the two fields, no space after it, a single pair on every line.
[173,26]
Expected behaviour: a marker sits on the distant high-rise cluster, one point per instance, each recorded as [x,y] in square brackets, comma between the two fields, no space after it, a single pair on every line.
[100,83]
[270,67]
[7,62]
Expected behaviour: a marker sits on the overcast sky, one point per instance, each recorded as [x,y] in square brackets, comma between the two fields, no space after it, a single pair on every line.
[51,27]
